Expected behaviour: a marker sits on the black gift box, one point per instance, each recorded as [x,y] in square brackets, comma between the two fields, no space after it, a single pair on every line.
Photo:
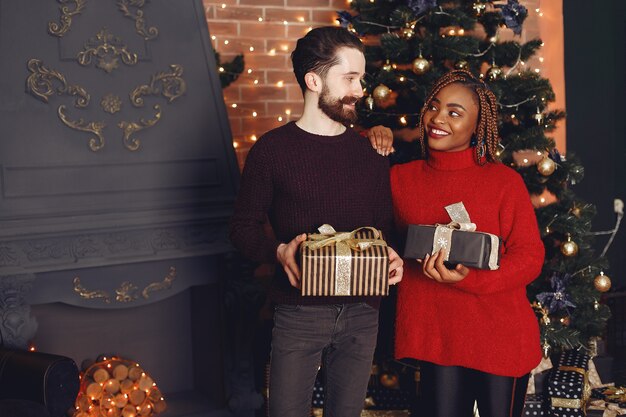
[535,405]
[568,387]
[471,249]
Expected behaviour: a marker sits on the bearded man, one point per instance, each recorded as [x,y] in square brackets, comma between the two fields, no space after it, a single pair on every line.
[302,175]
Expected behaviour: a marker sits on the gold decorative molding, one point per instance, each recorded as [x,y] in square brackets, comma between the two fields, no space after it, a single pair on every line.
[111,103]
[40,84]
[140,22]
[106,48]
[173,86]
[129,128]
[160,286]
[90,295]
[61,29]
[92,127]
[127,291]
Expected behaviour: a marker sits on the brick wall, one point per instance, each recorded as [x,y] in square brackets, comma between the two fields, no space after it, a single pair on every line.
[266,95]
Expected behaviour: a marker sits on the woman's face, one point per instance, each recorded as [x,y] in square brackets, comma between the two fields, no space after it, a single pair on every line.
[451,118]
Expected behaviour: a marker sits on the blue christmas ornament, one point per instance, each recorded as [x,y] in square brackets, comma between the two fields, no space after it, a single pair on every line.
[514,15]
[421,6]
[558,299]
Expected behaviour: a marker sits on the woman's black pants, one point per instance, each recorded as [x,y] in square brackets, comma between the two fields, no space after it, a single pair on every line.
[450,391]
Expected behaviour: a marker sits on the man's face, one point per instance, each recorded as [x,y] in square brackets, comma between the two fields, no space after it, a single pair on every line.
[342,86]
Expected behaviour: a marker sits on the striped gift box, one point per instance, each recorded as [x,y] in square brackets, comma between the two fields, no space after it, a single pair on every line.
[345,264]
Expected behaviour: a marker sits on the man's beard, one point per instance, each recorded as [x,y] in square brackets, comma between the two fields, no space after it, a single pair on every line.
[333,107]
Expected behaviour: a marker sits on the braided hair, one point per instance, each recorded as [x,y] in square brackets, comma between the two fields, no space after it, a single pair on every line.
[487,126]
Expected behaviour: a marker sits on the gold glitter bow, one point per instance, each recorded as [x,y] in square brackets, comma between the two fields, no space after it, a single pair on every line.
[574,402]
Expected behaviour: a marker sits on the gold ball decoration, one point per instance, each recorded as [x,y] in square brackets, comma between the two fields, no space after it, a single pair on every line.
[389,380]
[576,211]
[462,64]
[494,73]
[420,65]
[381,92]
[369,103]
[602,282]
[546,166]
[569,248]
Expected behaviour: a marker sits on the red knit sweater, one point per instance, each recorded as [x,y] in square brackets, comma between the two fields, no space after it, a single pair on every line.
[485,321]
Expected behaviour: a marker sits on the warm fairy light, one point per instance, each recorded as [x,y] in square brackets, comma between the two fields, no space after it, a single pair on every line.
[280,83]
[301,19]
[288,112]
[537,70]
[272,52]
[285,22]
[284,47]
[253,138]
[235,145]
[310,28]
[260,19]
[32,348]
[540,59]
[522,62]
[512,116]
[461,31]
[234,105]
[542,199]
[221,69]
[223,6]
[280,118]
[451,32]
[542,43]
[213,37]
[539,153]
[254,114]
[256,81]
[403,120]
[226,42]
[249,70]
[525,160]
[537,10]
[252,49]
[541,14]
[402,78]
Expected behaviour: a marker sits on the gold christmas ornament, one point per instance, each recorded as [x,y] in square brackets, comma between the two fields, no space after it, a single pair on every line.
[494,73]
[569,248]
[538,117]
[389,380]
[369,103]
[420,65]
[546,166]
[576,211]
[602,282]
[381,92]
[461,64]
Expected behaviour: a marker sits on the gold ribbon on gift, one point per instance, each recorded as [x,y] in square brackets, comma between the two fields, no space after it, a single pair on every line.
[574,402]
[610,409]
[442,239]
[345,243]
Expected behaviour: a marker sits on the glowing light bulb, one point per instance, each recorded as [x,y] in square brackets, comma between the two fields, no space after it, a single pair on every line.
[280,83]
[254,114]
[252,49]
[234,106]
[280,118]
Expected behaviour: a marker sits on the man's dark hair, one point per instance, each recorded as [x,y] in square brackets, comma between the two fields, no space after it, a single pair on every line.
[317,51]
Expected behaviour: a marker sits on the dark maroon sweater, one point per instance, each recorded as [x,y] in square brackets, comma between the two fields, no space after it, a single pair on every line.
[300,181]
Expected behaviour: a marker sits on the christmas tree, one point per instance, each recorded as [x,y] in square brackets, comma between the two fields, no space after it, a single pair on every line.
[411,43]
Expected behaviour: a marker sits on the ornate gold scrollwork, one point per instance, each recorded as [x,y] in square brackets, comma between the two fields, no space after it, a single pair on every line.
[126,293]
[159,286]
[92,127]
[40,84]
[59,30]
[107,49]
[90,295]
[173,86]
[129,128]
[140,23]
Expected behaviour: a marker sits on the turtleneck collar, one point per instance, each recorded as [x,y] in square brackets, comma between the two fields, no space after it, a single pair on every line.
[452,161]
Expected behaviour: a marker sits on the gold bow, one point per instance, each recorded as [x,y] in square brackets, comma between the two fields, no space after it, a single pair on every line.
[574,402]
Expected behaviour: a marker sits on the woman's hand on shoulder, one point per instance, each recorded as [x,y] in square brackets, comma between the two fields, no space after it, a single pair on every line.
[434,268]
[381,138]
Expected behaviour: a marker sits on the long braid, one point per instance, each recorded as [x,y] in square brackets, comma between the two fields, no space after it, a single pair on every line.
[487,126]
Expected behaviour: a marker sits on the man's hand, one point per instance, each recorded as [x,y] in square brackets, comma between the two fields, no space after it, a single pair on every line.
[396,268]
[434,268]
[381,138]
[286,255]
